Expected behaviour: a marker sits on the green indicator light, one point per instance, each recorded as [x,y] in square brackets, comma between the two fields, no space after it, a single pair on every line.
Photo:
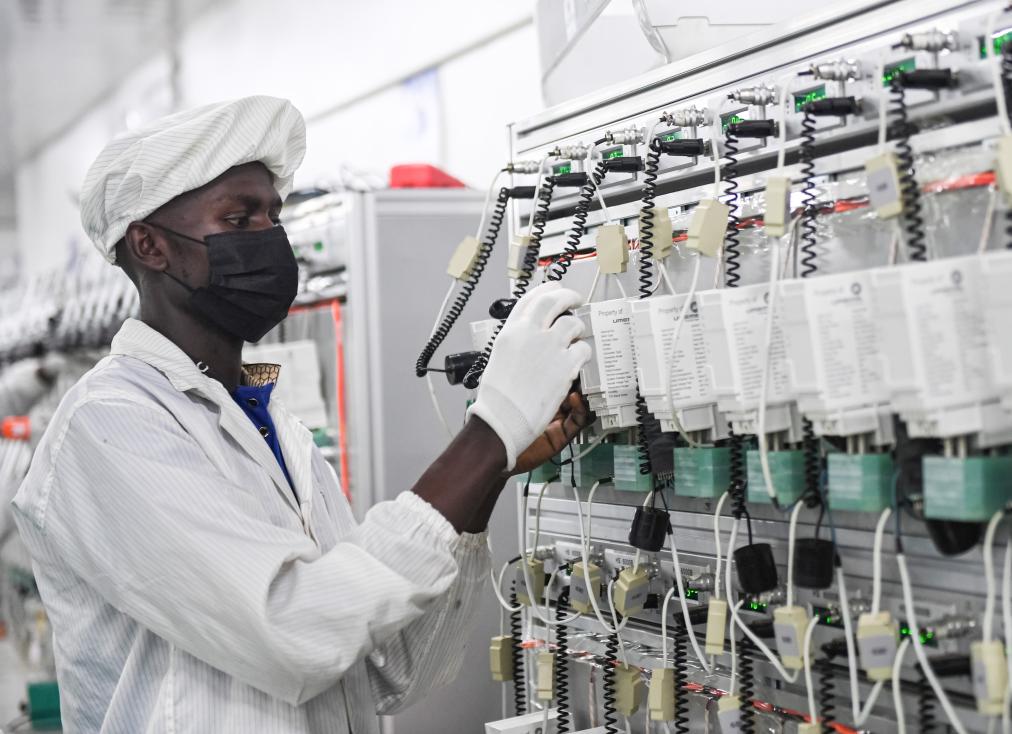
[727,120]
[563,168]
[616,153]
[811,95]
[691,594]
[318,246]
[893,69]
[669,136]
[998,42]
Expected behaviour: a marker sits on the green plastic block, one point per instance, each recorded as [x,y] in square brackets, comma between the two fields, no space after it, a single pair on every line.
[860,482]
[599,463]
[44,706]
[970,489]
[547,472]
[702,472]
[627,471]
[788,471]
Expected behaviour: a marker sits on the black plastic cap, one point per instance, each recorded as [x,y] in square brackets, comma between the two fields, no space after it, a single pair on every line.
[753,129]
[523,192]
[833,107]
[625,164]
[457,365]
[814,563]
[949,665]
[927,79]
[502,308]
[697,615]
[688,148]
[571,180]
[649,526]
[763,629]
[757,571]
[953,538]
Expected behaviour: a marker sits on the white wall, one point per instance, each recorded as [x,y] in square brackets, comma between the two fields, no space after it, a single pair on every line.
[380,83]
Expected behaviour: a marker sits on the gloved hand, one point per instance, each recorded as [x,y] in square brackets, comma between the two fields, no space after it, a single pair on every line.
[534,361]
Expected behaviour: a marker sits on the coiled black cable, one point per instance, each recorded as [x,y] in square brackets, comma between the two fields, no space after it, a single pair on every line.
[925,705]
[608,685]
[807,159]
[827,693]
[466,291]
[732,245]
[538,223]
[517,650]
[647,215]
[1006,79]
[561,266]
[562,664]
[737,475]
[746,685]
[902,129]
[681,678]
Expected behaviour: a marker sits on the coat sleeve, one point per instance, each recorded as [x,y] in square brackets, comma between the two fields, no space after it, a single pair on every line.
[135,508]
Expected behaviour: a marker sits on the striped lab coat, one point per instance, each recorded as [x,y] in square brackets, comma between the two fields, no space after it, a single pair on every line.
[190,591]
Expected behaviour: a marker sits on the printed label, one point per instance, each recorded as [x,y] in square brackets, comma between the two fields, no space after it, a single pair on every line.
[877,652]
[883,187]
[745,312]
[613,340]
[579,592]
[788,643]
[980,680]
[683,366]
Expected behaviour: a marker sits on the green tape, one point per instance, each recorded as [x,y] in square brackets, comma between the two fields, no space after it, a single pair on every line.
[702,472]
[44,706]
[860,482]
[970,490]
[627,471]
[598,464]
[788,472]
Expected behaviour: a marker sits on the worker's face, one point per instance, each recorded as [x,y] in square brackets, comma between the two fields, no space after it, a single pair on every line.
[242,198]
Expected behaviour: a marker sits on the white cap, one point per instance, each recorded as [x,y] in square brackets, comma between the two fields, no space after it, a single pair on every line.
[141,170]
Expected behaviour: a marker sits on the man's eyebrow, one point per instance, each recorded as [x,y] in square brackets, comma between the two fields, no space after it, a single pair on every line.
[250,201]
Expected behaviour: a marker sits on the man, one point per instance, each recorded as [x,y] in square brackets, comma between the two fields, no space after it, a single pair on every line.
[201,568]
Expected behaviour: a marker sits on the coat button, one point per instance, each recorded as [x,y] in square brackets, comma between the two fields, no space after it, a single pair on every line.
[253,402]
[264,432]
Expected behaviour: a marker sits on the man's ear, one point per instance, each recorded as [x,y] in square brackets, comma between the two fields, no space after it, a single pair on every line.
[148,248]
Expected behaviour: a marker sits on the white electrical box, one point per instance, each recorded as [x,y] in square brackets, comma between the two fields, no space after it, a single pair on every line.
[997,277]
[526,724]
[609,378]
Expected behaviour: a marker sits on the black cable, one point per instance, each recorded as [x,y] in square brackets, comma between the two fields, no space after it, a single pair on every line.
[1006,80]
[647,215]
[681,679]
[561,266]
[732,245]
[913,218]
[927,722]
[608,685]
[517,653]
[562,723]
[738,479]
[538,223]
[746,685]
[827,692]
[809,211]
[467,290]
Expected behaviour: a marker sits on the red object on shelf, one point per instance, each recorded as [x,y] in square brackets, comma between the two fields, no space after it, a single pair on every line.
[16,428]
[422,176]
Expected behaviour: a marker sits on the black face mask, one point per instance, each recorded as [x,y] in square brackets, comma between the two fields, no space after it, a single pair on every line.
[253,280]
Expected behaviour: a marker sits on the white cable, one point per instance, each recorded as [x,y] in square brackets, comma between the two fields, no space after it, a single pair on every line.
[737,620]
[664,624]
[614,620]
[1006,611]
[525,569]
[716,543]
[999,87]
[537,192]
[585,557]
[784,96]
[686,617]
[859,713]
[883,110]
[897,684]
[764,381]
[544,718]
[484,208]
[715,151]
[792,535]
[733,686]
[876,561]
[922,657]
[806,653]
[665,277]
[428,375]
[989,579]
[621,288]
[597,188]
[589,447]
[593,286]
[497,588]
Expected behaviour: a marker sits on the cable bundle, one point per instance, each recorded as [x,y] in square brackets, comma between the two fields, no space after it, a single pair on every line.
[913,219]
[561,266]
[484,253]
[562,664]
[519,681]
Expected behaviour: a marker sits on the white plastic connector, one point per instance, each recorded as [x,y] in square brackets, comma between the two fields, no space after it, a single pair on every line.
[789,624]
[716,624]
[463,258]
[708,227]
[546,676]
[876,641]
[584,581]
[729,714]
[612,249]
[629,689]
[500,658]
[990,676]
[1005,167]
[536,570]
[515,255]
[631,591]
[884,185]
[662,232]
[778,205]
[661,694]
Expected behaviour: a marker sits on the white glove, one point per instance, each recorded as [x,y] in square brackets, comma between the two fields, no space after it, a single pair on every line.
[534,361]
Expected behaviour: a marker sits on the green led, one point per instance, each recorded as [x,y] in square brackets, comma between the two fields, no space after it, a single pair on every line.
[728,120]
[670,136]
[997,43]
[616,153]
[811,95]
[691,593]
[893,69]
[563,168]
[318,246]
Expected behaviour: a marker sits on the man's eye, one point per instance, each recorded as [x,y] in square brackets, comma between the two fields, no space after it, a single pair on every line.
[240,222]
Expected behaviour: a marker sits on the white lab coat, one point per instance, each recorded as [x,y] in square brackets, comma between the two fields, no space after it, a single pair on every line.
[190,592]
